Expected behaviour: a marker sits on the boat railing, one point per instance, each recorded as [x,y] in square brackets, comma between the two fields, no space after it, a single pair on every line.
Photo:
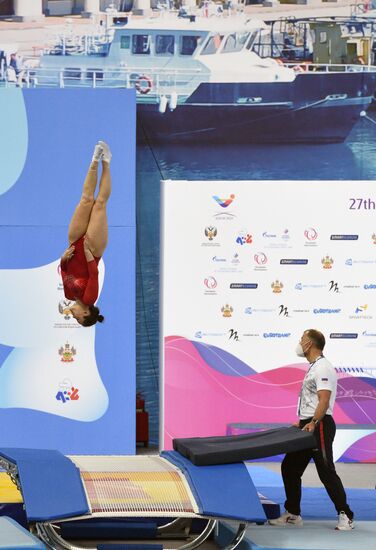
[307,67]
[69,44]
[150,82]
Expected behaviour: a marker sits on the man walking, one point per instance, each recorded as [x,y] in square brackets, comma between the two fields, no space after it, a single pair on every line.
[315,409]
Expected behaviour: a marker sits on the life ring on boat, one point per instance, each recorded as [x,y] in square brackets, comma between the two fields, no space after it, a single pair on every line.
[144,84]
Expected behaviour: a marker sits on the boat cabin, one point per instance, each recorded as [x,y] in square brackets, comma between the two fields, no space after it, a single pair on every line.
[156,42]
[343,42]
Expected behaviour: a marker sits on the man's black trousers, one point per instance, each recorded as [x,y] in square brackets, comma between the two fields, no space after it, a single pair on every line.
[294,465]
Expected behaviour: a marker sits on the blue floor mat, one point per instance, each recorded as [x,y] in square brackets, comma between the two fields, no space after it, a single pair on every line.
[315,501]
[263,477]
[317,505]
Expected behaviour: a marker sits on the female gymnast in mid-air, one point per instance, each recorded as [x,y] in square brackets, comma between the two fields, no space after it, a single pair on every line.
[88,236]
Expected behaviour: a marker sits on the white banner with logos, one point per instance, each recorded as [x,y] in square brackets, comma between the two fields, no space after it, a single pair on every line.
[247,267]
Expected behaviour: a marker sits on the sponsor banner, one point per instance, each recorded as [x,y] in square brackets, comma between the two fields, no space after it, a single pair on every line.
[64,386]
[282,267]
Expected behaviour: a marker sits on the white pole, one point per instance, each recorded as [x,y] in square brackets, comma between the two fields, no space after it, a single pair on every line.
[28,10]
[92,6]
[141,7]
[189,3]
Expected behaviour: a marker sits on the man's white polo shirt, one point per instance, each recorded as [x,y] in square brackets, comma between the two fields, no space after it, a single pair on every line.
[320,376]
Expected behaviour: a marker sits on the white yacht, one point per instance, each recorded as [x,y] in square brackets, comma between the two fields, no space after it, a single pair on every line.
[198,79]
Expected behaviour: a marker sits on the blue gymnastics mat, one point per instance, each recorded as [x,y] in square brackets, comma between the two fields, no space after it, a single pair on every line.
[313,535]
[263,477]
[317,505]
[238,497]
[315,501]
[51,484]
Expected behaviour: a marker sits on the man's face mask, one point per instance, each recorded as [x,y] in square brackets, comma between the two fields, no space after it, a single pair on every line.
[299,350]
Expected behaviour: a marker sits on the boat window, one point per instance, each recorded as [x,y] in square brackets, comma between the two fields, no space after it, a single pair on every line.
[263,45]
[213,44]
[235,42]
[141,44]
[251,41]
[164,44]
[188,44]
[125,42]
[323,37]
[72,73]
[94,73]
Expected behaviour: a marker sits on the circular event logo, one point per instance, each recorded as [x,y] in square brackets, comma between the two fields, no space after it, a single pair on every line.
[210,282]
[260,258]
[310,234]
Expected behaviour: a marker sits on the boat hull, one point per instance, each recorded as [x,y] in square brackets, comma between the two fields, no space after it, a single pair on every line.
[314,108]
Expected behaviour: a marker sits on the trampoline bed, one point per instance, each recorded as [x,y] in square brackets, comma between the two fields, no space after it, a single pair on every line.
[56,488]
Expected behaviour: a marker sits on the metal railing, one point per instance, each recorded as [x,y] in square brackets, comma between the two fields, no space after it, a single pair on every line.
[304,67]
[149,82]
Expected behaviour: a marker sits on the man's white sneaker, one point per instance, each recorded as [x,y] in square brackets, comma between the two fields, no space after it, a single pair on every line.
[98,152]
[287,519]
[344,522]
[106,153]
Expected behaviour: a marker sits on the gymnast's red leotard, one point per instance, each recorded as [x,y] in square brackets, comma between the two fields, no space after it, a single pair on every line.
[80,277]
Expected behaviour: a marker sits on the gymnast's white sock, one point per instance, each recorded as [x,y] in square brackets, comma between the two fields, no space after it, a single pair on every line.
[98,152]
[106,153]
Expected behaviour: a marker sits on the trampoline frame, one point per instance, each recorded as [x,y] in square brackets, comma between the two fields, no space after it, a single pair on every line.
[178,528]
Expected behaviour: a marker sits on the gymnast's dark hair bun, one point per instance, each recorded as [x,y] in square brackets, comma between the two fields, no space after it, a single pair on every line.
[93,317]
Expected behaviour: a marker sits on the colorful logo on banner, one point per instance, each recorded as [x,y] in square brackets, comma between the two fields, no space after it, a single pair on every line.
[67,353]
[260,258]
[342,237]
[326,310]
[227,310]
[327,262]
[210,232]
[67,392]
[243,238]
[277,286]
[311,234]
[210,283]
[361,312]
[343,335]
[239,286]
[224,202]
[64,308]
